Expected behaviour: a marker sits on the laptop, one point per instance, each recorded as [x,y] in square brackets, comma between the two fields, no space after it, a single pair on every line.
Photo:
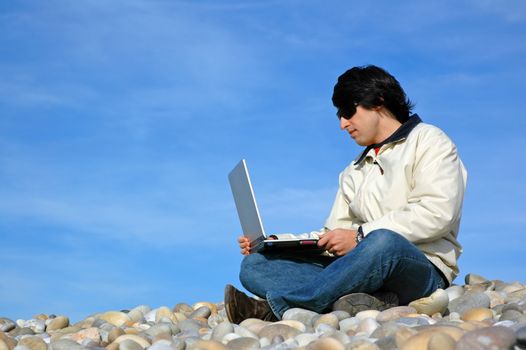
[250,219]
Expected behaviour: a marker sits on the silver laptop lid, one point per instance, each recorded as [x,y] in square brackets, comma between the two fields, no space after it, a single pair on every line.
[245,200]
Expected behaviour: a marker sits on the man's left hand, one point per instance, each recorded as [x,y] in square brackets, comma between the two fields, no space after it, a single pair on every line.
[338,242]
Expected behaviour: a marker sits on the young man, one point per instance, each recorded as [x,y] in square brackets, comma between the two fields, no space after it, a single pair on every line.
[391,236]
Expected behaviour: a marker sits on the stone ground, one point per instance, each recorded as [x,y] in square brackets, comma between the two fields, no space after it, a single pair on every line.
[482,314]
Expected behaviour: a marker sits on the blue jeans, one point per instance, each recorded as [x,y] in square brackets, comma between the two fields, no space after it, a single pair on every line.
[384,260]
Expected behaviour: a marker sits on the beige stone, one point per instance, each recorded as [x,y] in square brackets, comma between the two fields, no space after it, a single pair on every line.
[294,324]
[33,343]
[207,345]
[435,303]
[165,312]
[328,319]
[212,307]
[114,334]
[403,334]
[441,341]
[139,340]
[57,323]
[394,313]
[254,325]
[477,314]
[7,341]
[421,339]
[3,345]
[116,318]
[325,344]
[272,330]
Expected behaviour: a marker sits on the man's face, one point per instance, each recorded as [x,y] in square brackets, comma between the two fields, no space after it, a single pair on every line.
[363,126]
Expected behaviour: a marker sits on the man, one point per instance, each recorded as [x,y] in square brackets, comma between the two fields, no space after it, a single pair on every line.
[392,232]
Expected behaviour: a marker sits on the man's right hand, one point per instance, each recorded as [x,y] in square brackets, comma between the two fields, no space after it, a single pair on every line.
[244,245]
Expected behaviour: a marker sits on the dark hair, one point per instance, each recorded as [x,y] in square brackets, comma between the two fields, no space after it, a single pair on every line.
[370,86]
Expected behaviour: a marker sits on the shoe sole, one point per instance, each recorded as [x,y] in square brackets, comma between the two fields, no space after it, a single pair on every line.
[356,302]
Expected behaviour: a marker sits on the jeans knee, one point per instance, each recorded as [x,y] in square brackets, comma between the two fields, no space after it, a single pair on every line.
[249,264]
[383,240]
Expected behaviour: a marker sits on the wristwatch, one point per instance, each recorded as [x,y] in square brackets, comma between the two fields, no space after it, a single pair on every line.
[359,235]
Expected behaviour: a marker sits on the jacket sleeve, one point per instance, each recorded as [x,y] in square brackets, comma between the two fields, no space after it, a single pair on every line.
[434,202]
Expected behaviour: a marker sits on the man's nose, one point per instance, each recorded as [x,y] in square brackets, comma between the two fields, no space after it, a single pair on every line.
[344,123]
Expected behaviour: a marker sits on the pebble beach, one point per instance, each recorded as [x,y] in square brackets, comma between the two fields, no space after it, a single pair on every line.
[481,314]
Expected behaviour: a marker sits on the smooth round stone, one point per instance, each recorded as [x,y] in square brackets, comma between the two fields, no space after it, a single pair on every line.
[216,319]
[254,325]
[394,313]
[38,326]
[477,314]
[6,324]
[480,287]
[435,303]
[207,345]
[472,278]
[162,345]
[150,315]
[294,324]
[338,335]
[243,343]
[362,315]
[7,341]
[368,326]
[304,339]
[326,344]
[137,339]
[221,330]
[386,329]
[114,333]
[190,326]
[421,339]
[164,312]
[441,341]
[272,330]
[495,298]
[363,344]
[116,318]
[33,343]
[519,294]
[511,287]
[455,292]
[203,311]
[342,315]
[328,319]
[348,324]
[513,315]
[387,343]
[228,337]
[129,344]
[92,333]
[469,301]
[487,338]
[17,332]
[161,328]
[212,307]
[183,308]
[520,334]
[324,328]
[57,323]
[412,321]
[135,315]
[66,344]
[511,306]
[304,316]
[243,332]
[143,309]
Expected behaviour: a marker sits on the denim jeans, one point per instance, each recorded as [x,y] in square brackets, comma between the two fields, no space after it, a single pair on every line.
[384,260]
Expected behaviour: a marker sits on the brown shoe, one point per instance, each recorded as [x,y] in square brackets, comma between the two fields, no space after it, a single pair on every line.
[239,307]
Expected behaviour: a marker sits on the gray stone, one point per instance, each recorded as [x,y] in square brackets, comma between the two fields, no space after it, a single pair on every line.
[243,343]
[129,344]
[6,324]
[326,344]
[19,331]
[221,330]
[342,315]
[387,343]
[455,292]
[412,321]
[189,326]
[486,339]
[203,311]
[66,344]
[469,301]
[304,316]
[395,313]
[272,330]
[386,329]
[512,315]
[472,278]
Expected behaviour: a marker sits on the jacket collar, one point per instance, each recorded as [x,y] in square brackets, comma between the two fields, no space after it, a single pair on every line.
[400,134]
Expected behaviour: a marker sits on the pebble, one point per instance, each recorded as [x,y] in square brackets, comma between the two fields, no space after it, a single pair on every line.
[435,303]
[482,314]
[469,301]
[487,338]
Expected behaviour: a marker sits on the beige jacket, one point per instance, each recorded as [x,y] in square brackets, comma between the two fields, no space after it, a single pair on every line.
[414,186]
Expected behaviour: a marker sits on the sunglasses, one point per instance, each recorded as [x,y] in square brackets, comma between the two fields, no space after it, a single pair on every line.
[347,113]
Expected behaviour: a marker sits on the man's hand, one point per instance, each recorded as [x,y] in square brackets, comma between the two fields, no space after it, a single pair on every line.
[338,242]
[244,245]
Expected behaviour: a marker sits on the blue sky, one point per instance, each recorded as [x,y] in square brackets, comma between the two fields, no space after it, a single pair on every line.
[119,121]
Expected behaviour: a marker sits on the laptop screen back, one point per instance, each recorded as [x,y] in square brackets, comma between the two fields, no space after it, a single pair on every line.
[245,200]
